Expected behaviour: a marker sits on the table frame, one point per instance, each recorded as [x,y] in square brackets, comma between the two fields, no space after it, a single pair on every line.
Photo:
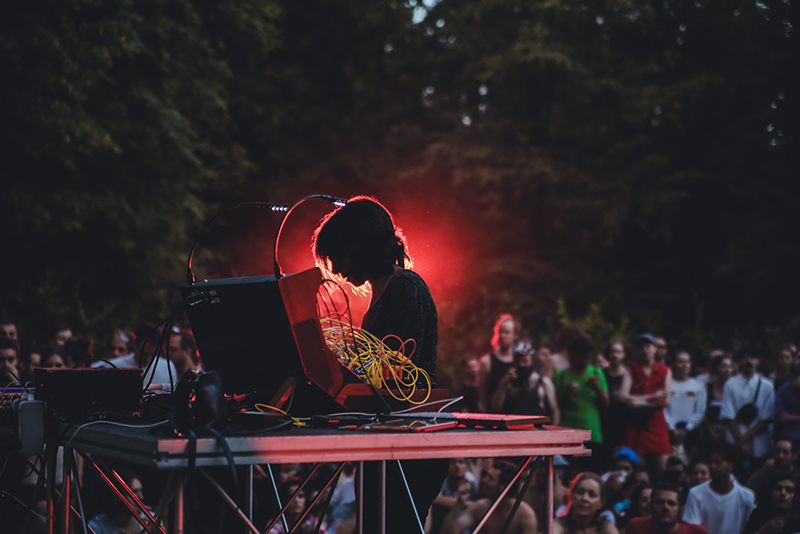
[318,446]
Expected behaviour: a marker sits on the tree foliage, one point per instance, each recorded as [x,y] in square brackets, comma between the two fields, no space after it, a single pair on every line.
[636,153]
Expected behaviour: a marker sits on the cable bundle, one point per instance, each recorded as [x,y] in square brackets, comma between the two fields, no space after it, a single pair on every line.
[372,360]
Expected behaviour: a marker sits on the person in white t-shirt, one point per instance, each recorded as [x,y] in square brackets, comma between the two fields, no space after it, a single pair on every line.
[752,437]
[148,337]
[688,406]
[721,505]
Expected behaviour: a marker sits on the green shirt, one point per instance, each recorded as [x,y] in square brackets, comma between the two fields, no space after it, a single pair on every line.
[580,411]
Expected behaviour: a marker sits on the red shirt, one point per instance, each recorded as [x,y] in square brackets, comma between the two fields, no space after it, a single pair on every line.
[644,525]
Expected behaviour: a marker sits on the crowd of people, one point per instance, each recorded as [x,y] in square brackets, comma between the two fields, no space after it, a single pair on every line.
[681,443]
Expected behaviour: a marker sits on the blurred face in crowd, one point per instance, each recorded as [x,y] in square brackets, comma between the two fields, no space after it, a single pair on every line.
[661,349]
[784,363]
[8,362]
[546,358]
[719,468]
[506,337]
[523,361]
[699,474]
[35,359]
[489,483]
[644,502]
[137,489]
[176,352]
[748,364]
[8,330]
[665,508]
[54,361]
[683,365]
[472,367]
[62,336]
[464,490]
[298,506]
[586,498]
[458,468]
[118,346]
[616,355]
[725,369]
[783,493]
[784,459]
[623,466]
[647,352]
[641,477]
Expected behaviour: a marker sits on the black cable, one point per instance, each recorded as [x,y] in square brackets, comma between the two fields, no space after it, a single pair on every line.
[271,205]
[94,360]
[333,200]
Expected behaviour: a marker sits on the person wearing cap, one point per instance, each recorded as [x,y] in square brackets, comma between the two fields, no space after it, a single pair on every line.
[647,391]
[582,391]
[523,391]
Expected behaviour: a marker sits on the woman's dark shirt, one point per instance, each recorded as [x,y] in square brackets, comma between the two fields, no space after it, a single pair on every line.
[406,310]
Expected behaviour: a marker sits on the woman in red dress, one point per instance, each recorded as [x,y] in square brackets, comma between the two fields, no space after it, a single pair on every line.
[647,391]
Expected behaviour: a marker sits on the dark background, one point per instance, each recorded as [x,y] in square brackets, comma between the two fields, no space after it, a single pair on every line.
[629,164]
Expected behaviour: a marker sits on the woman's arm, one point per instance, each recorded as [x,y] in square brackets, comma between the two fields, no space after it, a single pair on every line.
[633,400]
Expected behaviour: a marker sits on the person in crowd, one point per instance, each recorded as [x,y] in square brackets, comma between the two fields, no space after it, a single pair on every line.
[8,329]
[523,391]
[116,518]
[621,481]
[584,506]
[784,456]
[148,338]
[121,343]
[614,417]
[78,351]
[721,505]
[639,505]
[783,366]
[537,492]
[457,473]
[565,337]
[675,473]
[61,334]
[183,353]
[775,512]
[787,410]
[665,515]
[360,243]
[688,405]
[9,356]
[714,428]
[496,364]
[699,473]
[470,368]
[582,392]
[702,366]
[662,354]
[465,516]
[295,511]
[29,360]
[648,392]
[547,363]
[748,405]
[343,501]
[52,359]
